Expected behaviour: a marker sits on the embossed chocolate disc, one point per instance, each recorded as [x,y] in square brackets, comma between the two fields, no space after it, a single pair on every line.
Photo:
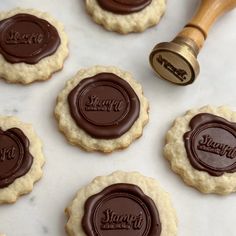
[27,38]
[104,105]
[211,144]
[15,159]
[124,6]
[121,210]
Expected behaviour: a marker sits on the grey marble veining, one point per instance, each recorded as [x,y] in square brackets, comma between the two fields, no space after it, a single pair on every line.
[68,168]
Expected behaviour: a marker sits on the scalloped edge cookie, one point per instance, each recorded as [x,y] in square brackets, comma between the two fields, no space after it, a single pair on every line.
[175,153]
[24,184]
[124,24]
[78,136]
[26,73]
[149,186]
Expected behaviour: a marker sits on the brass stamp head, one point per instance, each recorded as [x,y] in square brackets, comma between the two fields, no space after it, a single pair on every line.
[175,61]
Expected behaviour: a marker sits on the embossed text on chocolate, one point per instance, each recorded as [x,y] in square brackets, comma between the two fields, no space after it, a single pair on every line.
[114,221]
[14,37]
[97,104]
[179,73]
[209,145]
[8,153]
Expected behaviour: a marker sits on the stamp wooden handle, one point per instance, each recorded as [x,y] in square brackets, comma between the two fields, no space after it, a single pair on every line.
[208,12]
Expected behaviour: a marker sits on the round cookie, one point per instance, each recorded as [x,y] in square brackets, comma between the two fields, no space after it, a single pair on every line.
[33,46]
[126,16]
[201,148]
[102,108]
[21,159]
[121,204]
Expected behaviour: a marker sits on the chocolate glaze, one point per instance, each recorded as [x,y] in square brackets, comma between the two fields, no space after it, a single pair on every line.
[15,158]
[105,106]
[211,144]
[121,210]
[124,6]
[27,38]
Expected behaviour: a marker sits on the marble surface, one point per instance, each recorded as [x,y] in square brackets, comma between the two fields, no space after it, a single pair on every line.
[68,168]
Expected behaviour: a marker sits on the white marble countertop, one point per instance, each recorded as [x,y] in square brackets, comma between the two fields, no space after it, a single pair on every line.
[68,168]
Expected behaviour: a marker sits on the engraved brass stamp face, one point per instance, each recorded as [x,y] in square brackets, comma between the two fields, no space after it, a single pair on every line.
[176,61]
[172,67]
[165,63]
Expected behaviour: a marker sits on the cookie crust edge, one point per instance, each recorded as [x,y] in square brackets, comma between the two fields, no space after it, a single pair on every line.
[79,137]
[149,186]
[124,24]
[24,184]
[43,70]
[175,153]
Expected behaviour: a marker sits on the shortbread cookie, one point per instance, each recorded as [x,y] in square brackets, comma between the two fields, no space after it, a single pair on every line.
[201,148]
[121,204]
[21,159]
[102,108]
[126,16]
[33,45]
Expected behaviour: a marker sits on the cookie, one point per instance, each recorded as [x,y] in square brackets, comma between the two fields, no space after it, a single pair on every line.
[126,16]
[201,148]
[21,159]
[33,46]
[102,109]
[121,204]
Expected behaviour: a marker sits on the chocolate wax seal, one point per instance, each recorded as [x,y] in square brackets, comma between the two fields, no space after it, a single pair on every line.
[124,6]
[104,105]
[27,38]
[121,210]
[15,158]
[211,144]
